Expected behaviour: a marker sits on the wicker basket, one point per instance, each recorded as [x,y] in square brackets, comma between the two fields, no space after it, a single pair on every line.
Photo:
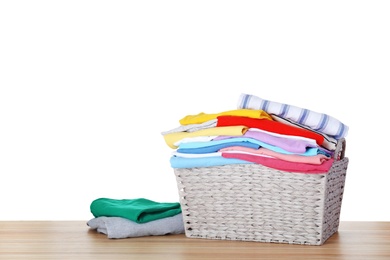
[251,202]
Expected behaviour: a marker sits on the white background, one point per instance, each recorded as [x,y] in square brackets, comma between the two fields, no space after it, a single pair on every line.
[87,87]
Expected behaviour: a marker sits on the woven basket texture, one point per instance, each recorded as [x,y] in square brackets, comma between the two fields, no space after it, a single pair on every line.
[251,202]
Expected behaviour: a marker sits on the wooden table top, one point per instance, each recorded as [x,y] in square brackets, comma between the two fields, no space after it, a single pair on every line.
[75,240]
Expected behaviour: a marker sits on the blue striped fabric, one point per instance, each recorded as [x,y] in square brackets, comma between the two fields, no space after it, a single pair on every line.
[317,121]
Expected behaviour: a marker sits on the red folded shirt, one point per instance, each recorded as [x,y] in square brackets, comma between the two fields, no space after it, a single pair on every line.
[269,125]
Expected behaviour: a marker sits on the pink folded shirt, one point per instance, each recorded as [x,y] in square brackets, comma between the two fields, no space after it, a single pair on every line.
[315,159]
[281,164]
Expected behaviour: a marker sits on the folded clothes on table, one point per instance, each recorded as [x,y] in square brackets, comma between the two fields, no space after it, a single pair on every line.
[139,210]
[117,227]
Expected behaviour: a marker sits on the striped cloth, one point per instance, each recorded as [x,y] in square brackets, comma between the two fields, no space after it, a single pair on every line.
[317,121]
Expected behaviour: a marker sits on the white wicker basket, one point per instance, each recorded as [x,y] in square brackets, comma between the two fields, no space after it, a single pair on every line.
[251,202]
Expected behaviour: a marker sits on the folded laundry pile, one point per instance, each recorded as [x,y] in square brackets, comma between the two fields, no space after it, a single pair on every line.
[276,135]
[265,171]
[125,218]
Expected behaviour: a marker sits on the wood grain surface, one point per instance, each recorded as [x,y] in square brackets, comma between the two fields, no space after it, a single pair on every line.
[74,240]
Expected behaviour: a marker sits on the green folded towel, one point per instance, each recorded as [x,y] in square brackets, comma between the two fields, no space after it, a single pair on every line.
[139,210]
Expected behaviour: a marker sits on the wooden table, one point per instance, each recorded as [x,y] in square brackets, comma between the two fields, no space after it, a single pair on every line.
[74,240]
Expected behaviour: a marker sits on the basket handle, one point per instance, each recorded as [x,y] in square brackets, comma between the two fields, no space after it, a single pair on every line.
[340,149]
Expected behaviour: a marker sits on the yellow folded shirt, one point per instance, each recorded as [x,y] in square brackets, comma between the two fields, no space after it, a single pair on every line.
[203,117]
[172,138]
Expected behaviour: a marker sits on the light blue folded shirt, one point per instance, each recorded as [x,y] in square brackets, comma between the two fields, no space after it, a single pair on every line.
[215,147]
[184,162]
[185,147]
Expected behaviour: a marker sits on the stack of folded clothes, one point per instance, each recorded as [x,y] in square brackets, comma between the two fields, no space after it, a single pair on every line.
[126,218]
[276,135]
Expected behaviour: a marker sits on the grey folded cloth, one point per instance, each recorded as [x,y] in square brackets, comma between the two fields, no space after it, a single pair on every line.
[192,127]
[118,227]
